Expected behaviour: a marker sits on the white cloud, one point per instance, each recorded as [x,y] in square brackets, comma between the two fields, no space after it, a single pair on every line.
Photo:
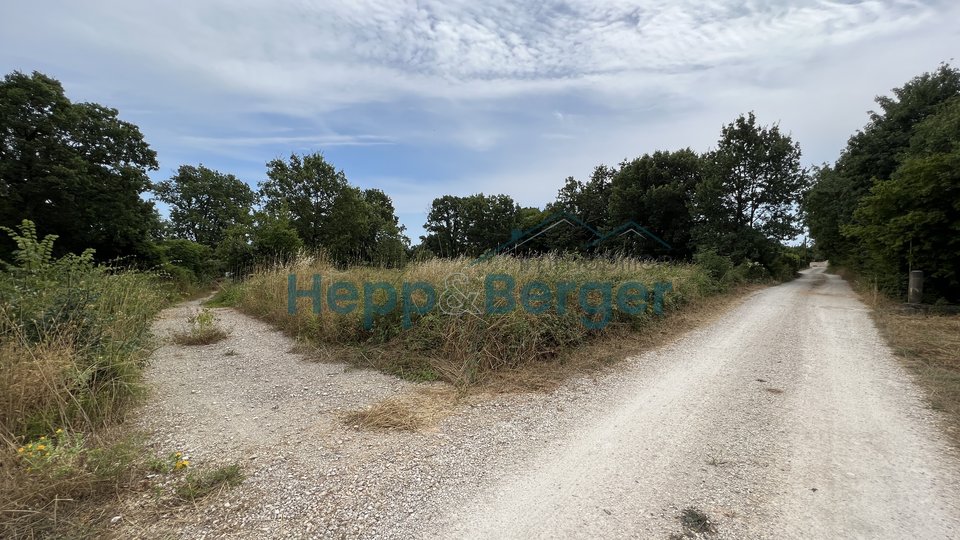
[533,91]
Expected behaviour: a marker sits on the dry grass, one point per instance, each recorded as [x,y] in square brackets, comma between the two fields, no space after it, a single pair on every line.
[928,344]
[468,349]
[425,407]
[417,410]
[200,337]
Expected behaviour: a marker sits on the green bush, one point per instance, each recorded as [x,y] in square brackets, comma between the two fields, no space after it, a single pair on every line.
[185,259]
[85,326]
[716,266]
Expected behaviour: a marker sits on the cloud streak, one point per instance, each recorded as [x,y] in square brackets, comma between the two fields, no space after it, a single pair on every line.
[460,96]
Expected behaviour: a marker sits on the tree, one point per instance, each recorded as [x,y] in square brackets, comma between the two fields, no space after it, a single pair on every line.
[469,225]
[750,192]
[587,201]
[872,154]
[274,238]
[656,192]
[75,169]
[912,219]
[307,187]
[204,203]
[384,236]
[353,226]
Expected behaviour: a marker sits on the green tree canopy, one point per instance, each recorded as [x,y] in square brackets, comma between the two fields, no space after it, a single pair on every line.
[872,154]
[204,203]
[656,191]
[353,226]
[912,219]
[307,187]
[469,225]
[750,193]
[75,169]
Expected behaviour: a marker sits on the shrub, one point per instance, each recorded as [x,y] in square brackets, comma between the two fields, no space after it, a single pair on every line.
[73,339]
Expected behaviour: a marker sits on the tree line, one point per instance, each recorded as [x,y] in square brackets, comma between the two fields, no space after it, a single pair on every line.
[888,204]
[739,201]
[77,171]
[891,202]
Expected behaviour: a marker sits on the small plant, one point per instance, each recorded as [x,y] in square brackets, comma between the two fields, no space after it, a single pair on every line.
[717,461]
[173,462]
[55,456]
[201,483]
[202,329]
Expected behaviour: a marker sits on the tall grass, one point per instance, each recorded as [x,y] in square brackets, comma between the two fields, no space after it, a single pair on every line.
[463,348]
[73,339]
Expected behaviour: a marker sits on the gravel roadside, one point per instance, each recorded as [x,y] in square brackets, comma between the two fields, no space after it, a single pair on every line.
[787,418]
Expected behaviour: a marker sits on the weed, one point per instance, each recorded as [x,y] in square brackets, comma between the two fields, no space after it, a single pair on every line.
[716,461]
[172,462]
[202,483]
[73,340]
[202,329]
[228,296]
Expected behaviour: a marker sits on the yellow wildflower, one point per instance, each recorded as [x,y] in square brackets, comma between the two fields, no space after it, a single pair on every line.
[21,450]
[41,447]
[59,431]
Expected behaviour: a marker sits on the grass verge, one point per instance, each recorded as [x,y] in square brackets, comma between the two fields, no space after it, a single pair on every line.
[74,338]
[472,348]
[927,343]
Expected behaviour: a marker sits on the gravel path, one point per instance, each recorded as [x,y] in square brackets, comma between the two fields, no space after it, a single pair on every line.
[787,418]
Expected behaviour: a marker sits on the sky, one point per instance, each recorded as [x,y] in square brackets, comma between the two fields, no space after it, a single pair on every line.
[427,98]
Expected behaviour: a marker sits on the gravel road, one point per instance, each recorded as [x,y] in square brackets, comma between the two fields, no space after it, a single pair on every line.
[786,418]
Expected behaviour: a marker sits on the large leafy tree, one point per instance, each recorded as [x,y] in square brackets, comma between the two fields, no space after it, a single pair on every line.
[385,239]
[750,194]
[307,187]
[469,225]
[75,169]
[655,191]
[353,226]
[872,154]
[588,202]
[204,203]
[912,219]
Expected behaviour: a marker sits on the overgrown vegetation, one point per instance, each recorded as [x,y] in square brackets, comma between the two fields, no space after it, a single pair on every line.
[468,348]
[74,337]
[890,203]
[199,484]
